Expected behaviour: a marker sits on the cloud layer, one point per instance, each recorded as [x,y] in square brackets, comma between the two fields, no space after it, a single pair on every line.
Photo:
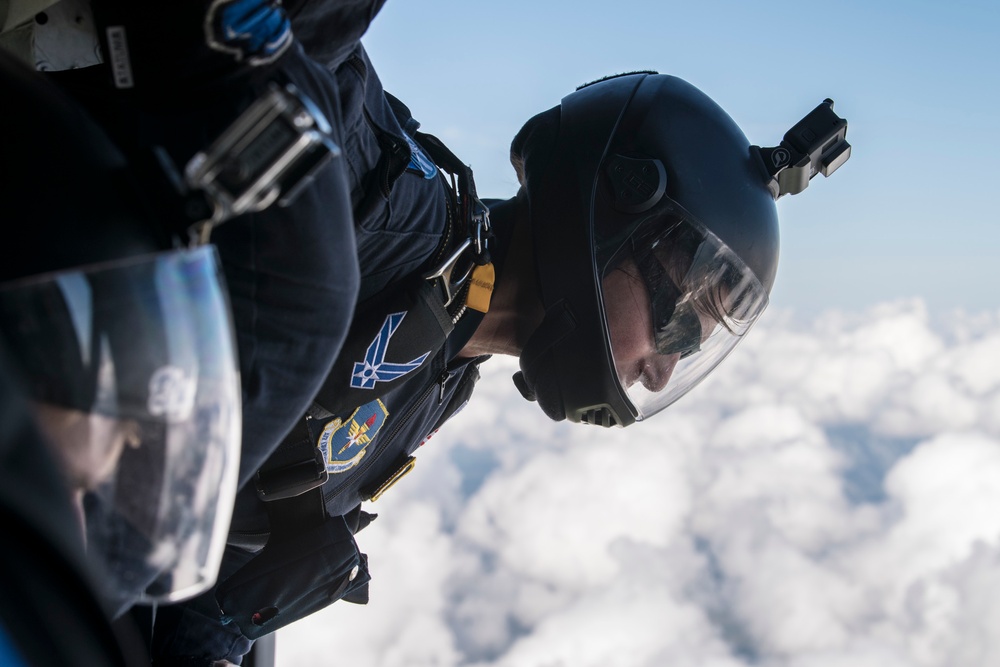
[830,497]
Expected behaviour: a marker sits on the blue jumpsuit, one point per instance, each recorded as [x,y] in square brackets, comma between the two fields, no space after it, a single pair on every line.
[401,215]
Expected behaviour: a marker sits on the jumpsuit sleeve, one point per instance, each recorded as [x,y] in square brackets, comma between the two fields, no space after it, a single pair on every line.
[293,278]
[329,30]
[292,272]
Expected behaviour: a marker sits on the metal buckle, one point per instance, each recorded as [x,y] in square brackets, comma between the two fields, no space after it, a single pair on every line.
[293,479]
[445,270]
[450,287]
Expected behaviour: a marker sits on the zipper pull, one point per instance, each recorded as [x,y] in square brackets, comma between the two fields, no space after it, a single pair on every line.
[442,381]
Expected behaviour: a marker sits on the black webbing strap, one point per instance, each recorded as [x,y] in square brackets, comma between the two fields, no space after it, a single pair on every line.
[419,334]
[472,211]
[296,468]
[290,482]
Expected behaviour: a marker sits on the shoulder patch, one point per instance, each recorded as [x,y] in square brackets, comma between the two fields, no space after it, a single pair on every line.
[375,368]
[419,162]
[344,443]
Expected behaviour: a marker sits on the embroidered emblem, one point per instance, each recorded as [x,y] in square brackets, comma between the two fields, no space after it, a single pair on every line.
[344,442]
[419,162]
[375,368]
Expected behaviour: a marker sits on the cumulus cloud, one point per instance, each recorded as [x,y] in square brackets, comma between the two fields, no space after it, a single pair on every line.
[829,497]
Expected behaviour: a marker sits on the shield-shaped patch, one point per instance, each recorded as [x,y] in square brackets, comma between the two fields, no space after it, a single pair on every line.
[345,442]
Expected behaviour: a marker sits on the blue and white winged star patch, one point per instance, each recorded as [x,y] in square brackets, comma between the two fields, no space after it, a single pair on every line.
[343,443]
[375,368]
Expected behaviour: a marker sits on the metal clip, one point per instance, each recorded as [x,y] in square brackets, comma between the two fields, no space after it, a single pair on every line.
[399,474]
[479,229]
[481,218]
[445,270]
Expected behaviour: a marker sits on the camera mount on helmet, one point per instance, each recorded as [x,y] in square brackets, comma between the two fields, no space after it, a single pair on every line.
[815,145]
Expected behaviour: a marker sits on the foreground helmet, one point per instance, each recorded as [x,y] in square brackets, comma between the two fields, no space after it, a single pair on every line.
[656,241]
[124,343]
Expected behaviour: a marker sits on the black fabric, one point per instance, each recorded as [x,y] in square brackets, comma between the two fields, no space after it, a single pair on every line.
[420,334]
[168,51]
[330,30]
[402,225]
[291,272]
[68,197]
[36,321]
[294,576]
[84,211]
[293,468]
[463,392]
[413,407]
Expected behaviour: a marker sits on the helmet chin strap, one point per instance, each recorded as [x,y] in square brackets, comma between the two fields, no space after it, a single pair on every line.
[538,380]
[522,386]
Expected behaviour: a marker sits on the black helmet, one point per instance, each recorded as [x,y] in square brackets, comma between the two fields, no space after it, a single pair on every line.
[123,340]
[642,181]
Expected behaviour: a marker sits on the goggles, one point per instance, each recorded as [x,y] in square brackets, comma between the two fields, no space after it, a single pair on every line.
[676,301]
[676,327]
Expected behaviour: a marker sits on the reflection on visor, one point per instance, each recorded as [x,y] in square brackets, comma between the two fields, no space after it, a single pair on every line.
[676,327]
[132,365]
[700,298]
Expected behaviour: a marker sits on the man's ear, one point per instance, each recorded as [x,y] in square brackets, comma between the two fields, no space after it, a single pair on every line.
[534,141]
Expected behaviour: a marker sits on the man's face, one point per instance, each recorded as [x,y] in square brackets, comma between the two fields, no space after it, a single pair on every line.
[628,312]
[88,445]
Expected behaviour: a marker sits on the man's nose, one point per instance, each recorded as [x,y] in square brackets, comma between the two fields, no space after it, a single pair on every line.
[657,371]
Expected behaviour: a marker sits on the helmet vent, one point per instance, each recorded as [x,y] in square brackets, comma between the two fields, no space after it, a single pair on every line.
[638,183]
[599,417]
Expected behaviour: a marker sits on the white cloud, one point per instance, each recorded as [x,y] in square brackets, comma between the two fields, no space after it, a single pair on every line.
[827,498]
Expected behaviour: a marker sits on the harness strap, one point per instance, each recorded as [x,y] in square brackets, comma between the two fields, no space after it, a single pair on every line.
[471,209]
[288,475]
[418,320]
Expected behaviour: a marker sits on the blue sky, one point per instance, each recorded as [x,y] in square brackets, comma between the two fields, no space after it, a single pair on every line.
[827,497]
[912,214]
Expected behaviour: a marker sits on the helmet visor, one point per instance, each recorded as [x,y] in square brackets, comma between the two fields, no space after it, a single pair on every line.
[132,369]
[676,301]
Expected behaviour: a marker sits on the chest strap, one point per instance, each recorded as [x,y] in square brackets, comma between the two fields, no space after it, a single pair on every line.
[392,335]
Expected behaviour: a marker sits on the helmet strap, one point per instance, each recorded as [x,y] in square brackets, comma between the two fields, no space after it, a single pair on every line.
[536,357]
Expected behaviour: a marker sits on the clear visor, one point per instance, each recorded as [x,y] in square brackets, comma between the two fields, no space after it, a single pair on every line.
[677,300]
[132,369]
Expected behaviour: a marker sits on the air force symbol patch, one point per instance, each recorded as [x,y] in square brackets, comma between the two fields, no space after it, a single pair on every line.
[419,162]
[375,368]
[344,443]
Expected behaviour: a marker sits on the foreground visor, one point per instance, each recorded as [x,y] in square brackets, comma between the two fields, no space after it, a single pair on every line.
[676,300]
[131,367]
